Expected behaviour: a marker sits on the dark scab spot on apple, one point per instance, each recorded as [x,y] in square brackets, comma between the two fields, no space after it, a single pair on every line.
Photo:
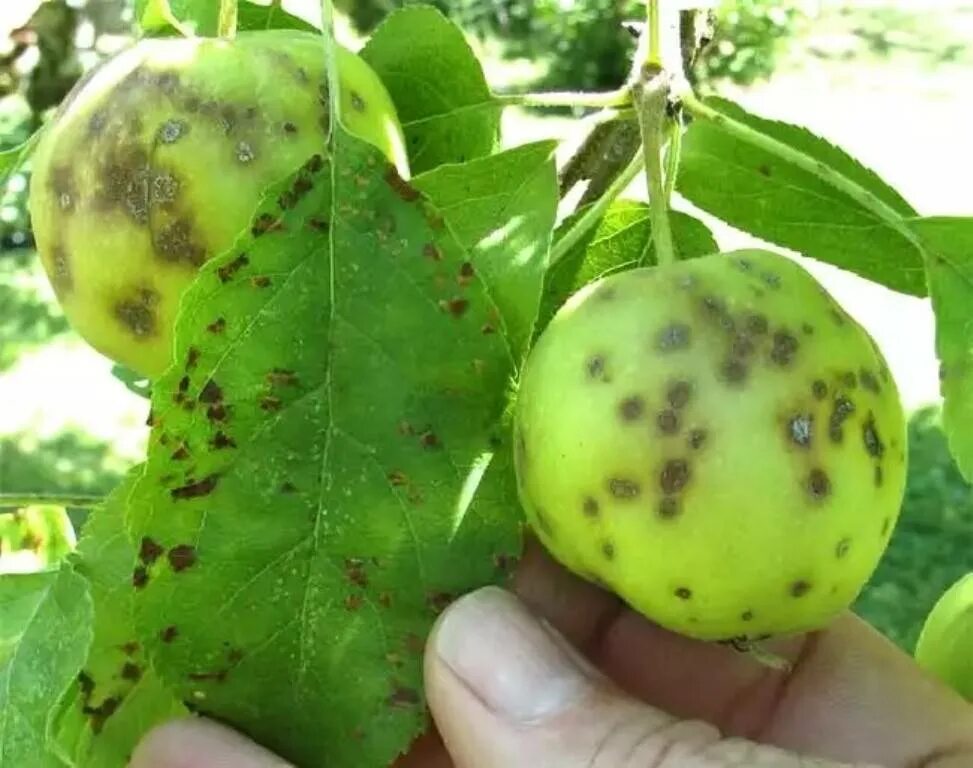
[149,550]
[842,410]
[290,128]
[64,189]
[800,428]
[807,329]
[357,102]
[849,380]
[196,489]
[800,588]
[137,313]
[675,476]
[818,484]
[595,368]
[756,324]
[683,593]
[624,488]
[877,476]
[287,486]
[182,557]
[675,336]
[842,548]
[764,170]
[172,130]
[819,389]
[870,437]
[175,243]
[631,408]
[62,279]
[771,280]
[742,346]
[667,421]
[869,381]
[590,507]
[679,393]
[733,371]
[668,508]
[140,577]
[746,616]
[784,348]
[608,550]
[697,438]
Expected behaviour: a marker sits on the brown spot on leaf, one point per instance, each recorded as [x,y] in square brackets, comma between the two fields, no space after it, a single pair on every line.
[271,404]
[182,557]
[281,377]
[131,672]
[169,634]
[428,439]
[402,696]
[181,453]
[354,602]
[217,326]
[438,601]
[149,550]
[217,412]
[264,223]
[196,489]
[221,440]
[431,251]
[456,306]
[228,270]
[400,186]
[211,392]
[260,281]
[140,577]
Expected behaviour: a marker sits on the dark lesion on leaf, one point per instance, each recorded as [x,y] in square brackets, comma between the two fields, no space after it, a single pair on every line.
[264,223]
[228,270]
[169,633]
[196,489]
[400,186]
[403,696]
[181,557]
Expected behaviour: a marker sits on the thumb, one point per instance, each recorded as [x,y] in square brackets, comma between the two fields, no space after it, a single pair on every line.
[507,690]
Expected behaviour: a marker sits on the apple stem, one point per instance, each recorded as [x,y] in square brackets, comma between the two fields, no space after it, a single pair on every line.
[620,97]
[228,19]
[652,96]
[590,218]
[20,500]
[654,53]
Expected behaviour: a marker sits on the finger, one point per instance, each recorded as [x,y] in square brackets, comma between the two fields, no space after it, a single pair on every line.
[507,690]
[197,743]
[849,688]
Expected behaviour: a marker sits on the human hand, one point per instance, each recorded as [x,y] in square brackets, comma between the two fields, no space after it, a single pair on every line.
[567,676]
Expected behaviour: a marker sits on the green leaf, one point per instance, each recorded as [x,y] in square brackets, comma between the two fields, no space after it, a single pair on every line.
[949,245]
[45,630]
[319,479]
[446,108]
[794,202]
[272,16]
[622,240]
[12,159]
[157,16]
[118,696]
[502,210]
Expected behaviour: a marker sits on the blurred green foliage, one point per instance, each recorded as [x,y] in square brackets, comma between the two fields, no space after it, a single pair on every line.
[28,317]
[34,538]
[933,541]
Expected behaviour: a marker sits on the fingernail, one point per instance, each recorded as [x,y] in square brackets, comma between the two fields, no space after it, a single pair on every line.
[509,659]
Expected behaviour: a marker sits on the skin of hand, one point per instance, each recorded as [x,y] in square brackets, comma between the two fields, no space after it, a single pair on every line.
[564,675]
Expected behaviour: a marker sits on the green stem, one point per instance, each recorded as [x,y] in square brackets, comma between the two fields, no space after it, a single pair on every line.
[672,158]
[618,98]
[654,54]
[593,215]
[228,19]
[826,173]
[19,500]
[653,97]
